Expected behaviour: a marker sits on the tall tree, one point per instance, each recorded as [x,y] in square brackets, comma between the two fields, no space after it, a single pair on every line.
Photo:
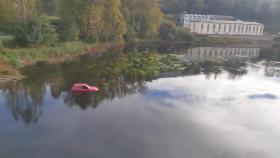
[220,6]
[143,16]
[246,9]
[113,21]
[50,7]
[264,12]
[18,10]
[96,20]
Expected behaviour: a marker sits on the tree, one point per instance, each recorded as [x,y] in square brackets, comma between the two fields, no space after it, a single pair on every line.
[113,21]
[17,11]
[34,32]
[143,16]
[50,7]
[96,20]
[245,9]
[220,6]
[264,12]
[191,6]
[167,31]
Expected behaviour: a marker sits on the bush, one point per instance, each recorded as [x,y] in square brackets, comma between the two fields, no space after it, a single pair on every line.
[14,60]
[35,32]
[1,47]
[183,35]
[167,31]
[50,36]
[68,31]
[131,35]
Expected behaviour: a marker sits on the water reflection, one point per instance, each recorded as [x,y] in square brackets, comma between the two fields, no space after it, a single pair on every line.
[263,96]
[119,74]
[25,103]
[153,105]
[210,53]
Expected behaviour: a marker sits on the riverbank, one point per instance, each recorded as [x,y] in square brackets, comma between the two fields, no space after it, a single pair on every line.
[13,58]
[27,56]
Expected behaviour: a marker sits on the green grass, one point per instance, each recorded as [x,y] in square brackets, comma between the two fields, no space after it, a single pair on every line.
[13,58]
[25,56]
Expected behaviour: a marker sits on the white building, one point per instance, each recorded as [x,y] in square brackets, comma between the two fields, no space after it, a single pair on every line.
[186,19]
[226,27]
[212,53]
[223,25]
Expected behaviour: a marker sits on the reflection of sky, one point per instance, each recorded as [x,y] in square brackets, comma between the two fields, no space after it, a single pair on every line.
[211,118]
[244,112]
[263,96]
[164,96]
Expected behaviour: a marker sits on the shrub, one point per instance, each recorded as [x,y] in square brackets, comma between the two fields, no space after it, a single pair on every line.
[68,30]
[131,35]
[14,60]
[183,35]
[1,45]
[50,36]
[35,32]
[167,31]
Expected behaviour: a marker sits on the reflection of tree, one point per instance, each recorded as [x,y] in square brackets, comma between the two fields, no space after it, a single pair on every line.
[270,54]
[235,68]
[271,58]
[25,102]
[272,72]
[116,74]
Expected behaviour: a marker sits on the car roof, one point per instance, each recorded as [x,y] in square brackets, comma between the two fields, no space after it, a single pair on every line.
[80,84]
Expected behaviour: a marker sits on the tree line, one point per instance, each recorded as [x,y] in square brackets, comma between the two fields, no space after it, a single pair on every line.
[38,22]
[265,11]
[47,22]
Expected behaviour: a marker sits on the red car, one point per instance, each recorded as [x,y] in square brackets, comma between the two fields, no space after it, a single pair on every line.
[83,88]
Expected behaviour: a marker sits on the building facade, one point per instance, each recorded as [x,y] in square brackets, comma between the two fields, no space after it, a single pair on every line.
[226,27]
[212,53]
[186,19]
[220,25]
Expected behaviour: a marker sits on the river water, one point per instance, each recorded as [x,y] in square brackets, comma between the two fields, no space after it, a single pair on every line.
[160,102]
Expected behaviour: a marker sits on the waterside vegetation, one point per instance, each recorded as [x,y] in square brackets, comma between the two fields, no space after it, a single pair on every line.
[40,32]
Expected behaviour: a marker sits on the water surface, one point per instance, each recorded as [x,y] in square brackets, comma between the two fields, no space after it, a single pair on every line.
[162,102]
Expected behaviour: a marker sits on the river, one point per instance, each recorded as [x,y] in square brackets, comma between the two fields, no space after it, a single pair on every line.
[154,102]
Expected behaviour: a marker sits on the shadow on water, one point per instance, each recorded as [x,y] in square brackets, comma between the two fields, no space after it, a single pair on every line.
[120,73]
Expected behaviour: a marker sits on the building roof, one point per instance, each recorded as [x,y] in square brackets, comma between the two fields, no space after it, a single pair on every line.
[228,22]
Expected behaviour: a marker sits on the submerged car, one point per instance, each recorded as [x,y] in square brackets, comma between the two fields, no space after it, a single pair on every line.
[83,88]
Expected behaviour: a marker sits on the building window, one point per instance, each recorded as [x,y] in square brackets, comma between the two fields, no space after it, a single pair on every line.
[193,27]
[225,27]
[234,28]
[219,27]
[254,28]
[201,27]
[208,27]
[214,27]
[242,28]
[229,28]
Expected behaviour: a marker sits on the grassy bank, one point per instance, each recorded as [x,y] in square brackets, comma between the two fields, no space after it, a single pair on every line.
[12,58]
[26,56]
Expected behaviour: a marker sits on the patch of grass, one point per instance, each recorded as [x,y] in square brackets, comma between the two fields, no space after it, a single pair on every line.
[24,56]
[13,59]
